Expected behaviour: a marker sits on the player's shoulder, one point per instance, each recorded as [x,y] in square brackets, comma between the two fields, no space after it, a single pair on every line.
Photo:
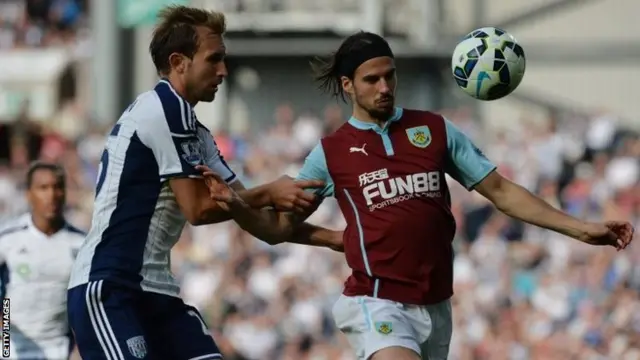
[12,230]
[342,132]
[144,113]
[340,135]
[74,231]
[161,109]
[420,115]
[202,131]
[423,120]
[344,135]
[74,236]
[14,226]
[146,104]
[177,113]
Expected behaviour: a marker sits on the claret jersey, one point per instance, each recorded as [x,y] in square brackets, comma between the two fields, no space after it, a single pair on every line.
[390,184]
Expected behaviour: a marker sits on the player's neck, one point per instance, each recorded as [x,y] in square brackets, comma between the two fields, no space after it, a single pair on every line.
[364,116]
[181,90]
[47,226]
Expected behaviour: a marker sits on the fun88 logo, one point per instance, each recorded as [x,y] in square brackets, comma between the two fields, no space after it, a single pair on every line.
[379,190]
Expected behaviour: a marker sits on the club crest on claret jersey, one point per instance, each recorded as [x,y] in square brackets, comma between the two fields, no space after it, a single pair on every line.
[419,136]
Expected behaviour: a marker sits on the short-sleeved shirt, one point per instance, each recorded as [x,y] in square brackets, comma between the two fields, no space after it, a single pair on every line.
[34,273]
[390,184]
[136,218]
[468,164]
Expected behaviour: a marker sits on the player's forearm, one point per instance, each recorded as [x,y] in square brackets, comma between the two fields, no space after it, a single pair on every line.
[518,202]
[307,234]
[275,227]
[213,215]
[257,197]
[266,225]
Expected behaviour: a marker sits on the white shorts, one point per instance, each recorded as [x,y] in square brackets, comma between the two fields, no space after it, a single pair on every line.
[372,324]
[27,349]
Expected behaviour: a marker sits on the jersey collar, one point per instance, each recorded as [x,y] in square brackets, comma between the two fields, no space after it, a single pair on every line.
[363,125]
[37,231]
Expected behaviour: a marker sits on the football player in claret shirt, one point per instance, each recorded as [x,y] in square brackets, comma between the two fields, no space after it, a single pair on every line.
[386,167]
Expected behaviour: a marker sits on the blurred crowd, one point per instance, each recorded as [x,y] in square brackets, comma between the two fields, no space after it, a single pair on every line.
[40,23]
[520,292]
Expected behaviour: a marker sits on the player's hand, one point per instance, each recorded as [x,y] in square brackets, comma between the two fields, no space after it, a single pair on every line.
[288,194]
[613,233]
[219,190]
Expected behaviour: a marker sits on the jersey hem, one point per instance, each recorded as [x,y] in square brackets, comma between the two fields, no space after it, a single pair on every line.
[180,176]
[135,287]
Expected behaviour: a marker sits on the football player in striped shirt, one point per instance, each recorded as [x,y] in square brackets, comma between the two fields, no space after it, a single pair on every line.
[123,300]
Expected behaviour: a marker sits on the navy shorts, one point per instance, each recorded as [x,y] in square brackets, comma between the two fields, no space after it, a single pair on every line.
[113,322]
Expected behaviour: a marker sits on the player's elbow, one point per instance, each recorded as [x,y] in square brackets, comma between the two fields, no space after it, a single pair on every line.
[509,197]
[274,239]
[277,229]
[195,219]
[195,202]
[192,216]
[339,247]
[275,235]
[208,213]
[271,236]
[496,189]
[336,242]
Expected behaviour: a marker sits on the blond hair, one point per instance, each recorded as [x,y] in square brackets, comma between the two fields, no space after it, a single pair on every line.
[176,32]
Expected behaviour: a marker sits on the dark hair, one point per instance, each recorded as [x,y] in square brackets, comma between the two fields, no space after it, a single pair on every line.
[35,166]
[328,71]
[176,33]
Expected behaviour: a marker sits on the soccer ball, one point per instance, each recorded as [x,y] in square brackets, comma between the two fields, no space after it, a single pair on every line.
[488,63]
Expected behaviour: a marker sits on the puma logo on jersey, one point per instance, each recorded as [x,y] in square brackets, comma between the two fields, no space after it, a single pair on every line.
[354,149]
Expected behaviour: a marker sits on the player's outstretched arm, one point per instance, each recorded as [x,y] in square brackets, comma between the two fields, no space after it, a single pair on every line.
[516,201]
[275,227]
[193,197]
[269,225]
[307,234]
[289,195]
[474,171]
[179,145]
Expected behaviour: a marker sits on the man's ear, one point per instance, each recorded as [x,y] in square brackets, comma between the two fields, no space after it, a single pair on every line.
[177,62]
[347,85]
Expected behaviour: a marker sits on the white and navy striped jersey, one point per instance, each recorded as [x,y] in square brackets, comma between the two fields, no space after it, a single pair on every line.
[35,272]
[136,218]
